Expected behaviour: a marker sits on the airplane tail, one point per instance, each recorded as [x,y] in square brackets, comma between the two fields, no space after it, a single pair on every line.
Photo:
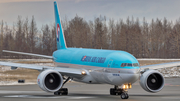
[61,43]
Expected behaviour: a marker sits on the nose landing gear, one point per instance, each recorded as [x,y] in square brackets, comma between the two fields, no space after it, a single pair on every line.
[124,95]
[120,91]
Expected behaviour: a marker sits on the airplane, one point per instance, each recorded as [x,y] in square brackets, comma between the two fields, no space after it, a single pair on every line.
[93,66]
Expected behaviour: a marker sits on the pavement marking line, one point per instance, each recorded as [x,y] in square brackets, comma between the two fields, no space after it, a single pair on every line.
[17,92]
[175,98]
[80,97]
[44,96]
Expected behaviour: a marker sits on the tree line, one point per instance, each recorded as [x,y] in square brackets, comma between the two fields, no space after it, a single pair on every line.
[159,38]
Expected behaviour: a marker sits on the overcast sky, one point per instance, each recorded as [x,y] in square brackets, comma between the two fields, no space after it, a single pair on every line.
[43,10]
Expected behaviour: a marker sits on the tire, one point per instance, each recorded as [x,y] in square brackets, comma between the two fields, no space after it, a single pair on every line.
[119,93]
[56,93]
[65,91]
[123,96]
[127,96]
[112,91]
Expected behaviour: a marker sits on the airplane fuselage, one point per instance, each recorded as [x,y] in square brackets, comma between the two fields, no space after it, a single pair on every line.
[104,66]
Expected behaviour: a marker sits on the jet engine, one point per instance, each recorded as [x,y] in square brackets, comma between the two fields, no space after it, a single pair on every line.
[50,80]
[152,81]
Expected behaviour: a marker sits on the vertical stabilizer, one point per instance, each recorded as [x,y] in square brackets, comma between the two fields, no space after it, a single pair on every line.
[61,43]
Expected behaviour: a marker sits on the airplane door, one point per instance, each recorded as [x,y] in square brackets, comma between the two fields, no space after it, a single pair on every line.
[110,63]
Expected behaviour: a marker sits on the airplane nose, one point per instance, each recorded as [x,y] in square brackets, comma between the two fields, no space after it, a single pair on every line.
[130,76]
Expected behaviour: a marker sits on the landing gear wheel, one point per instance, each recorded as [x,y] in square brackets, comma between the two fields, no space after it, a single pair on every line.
[56,93]
[124,96]
[112,91]
[127,96]
[62,91]
[119,93]
[65,91]
[116,90]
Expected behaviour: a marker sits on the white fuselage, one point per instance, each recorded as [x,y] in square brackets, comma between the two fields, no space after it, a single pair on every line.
[100,75]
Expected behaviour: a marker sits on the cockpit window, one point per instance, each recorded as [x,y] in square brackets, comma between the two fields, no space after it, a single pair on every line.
[125,64]
[129,64]
[122,65]
[135,64]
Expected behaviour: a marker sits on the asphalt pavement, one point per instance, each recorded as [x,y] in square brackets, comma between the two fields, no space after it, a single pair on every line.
[90,92]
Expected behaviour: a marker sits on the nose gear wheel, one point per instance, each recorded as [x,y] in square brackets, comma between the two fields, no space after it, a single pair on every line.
[119,91]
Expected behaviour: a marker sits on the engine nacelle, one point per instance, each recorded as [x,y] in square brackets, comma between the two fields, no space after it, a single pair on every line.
[152,81]
[50,80]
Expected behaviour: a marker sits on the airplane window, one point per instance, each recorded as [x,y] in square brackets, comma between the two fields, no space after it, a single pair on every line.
[135,64]
[129,64]
[126,64]
[122,65]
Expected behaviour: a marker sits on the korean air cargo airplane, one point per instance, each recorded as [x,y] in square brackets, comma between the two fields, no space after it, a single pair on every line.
[93,66]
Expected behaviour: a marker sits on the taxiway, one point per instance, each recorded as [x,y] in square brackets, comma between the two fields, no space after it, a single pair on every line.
[87,92]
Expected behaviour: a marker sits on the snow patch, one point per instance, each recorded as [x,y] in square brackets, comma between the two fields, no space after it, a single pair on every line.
[170,72]
[15,83]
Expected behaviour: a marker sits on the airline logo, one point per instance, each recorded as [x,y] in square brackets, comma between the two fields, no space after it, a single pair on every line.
[38,81]
[83,58]
[93,59]
[58,32]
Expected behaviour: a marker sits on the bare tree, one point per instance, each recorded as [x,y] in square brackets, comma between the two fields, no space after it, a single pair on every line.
[32,35]
[46,40]
[100,33]
[1,38]
[157,39]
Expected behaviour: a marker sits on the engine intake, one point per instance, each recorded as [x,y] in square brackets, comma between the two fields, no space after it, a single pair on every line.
[152,81]
[50,80]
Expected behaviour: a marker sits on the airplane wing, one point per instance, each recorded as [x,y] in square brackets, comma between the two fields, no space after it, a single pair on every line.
[71,72]
[162,65]
[38,55]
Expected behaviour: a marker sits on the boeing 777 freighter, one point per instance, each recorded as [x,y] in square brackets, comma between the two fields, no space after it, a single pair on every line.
[93,66]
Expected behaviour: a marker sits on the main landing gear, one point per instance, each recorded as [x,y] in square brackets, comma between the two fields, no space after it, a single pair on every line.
[62,91]
[120,91]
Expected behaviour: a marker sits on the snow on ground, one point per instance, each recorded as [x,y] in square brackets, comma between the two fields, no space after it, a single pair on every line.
[45,64]
[15,83]
[5,68]
[170,72]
